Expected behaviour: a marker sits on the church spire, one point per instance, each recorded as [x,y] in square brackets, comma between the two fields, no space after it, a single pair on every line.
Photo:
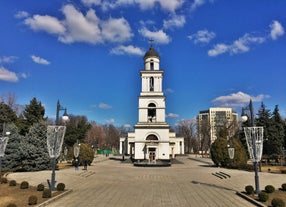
[151,52]
[151,43]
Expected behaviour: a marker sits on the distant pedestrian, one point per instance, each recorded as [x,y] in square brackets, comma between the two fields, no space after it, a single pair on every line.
[76,165]
[85,165]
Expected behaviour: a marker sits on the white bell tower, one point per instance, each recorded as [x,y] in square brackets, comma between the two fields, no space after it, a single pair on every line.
[151,131]
[151,100]
[151,140]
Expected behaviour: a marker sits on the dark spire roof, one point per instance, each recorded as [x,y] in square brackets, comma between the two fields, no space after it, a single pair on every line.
[151,53]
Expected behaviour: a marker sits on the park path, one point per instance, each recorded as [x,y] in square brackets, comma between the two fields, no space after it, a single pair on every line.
[108,182]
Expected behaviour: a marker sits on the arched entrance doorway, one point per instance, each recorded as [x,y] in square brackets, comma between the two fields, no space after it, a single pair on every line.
[152,142]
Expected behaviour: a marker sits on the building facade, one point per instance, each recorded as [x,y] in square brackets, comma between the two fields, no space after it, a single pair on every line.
[213,120]
[151,139]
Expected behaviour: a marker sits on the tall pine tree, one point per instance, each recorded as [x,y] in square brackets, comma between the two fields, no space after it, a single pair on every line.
[12,159]
[34,151]
[276,134]
[33,113]
[264,120]
[7,115]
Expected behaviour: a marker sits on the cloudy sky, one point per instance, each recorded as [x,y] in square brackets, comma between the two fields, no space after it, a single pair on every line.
[88,54]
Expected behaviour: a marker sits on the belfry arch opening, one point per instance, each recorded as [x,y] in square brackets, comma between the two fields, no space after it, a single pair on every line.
[152,84]
[151,112]
[152,65]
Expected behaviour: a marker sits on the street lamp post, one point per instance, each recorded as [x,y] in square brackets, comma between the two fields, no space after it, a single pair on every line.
[230,150]
[55,137]
[254,140]
[76,151]
[3,143]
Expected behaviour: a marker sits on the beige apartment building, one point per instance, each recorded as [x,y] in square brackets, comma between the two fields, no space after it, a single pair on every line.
[211,121]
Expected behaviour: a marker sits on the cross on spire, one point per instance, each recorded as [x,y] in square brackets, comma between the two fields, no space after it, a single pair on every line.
[151,42]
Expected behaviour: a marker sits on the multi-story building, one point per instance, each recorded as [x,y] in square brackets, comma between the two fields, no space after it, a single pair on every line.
[213,120]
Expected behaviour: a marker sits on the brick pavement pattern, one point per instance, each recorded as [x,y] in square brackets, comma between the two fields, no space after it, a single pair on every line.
[108,182]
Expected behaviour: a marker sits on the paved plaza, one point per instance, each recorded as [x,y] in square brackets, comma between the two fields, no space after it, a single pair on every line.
[108,182]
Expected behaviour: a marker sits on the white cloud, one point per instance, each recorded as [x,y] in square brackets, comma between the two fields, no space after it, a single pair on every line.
[45,23]
[218,49]
[91,2]
[7,59]
[23,75]
[158,36]
[104,106]
[80,28]
[241,45]
[197,3]
[170,5]
[21,14]
[175,21]
[277,30]
[202,36]
[109,121]
[77,27]
[237,99]
[169,90]
[172,115]
[7,75]
[127,126]
[40,60]
[116,30]
[130,49]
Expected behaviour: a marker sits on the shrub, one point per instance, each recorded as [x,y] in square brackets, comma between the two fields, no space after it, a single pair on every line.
[269,188]
[24,185]
[283,186]
[32,200]
[3,180]
[11,205]
[277,202]
[263,197]
[283,171]
[249,189]
[47,193]
[85,153]
[40,187]
[61,187]
[12,183]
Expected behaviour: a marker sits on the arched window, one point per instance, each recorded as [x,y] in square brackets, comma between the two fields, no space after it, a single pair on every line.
[152,137]
[151,84]
[151,65]
[151,112]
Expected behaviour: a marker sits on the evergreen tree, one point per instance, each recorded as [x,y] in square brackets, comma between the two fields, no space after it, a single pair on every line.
[12,158]
[276,134]
[77,128]
[264,120]
[220,156]
[7,115]
[33,113]
[34,151]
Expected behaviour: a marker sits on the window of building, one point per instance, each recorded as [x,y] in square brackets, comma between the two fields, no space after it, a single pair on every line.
[152,137]
[151,112]
[151,84]
[151,65]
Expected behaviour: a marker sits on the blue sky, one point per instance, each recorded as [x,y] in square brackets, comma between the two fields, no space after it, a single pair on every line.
[88,54]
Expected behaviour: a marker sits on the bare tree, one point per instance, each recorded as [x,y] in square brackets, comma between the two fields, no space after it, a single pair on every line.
[11,100]
[96,136]
[187,129]
[112,136]
[204,134]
